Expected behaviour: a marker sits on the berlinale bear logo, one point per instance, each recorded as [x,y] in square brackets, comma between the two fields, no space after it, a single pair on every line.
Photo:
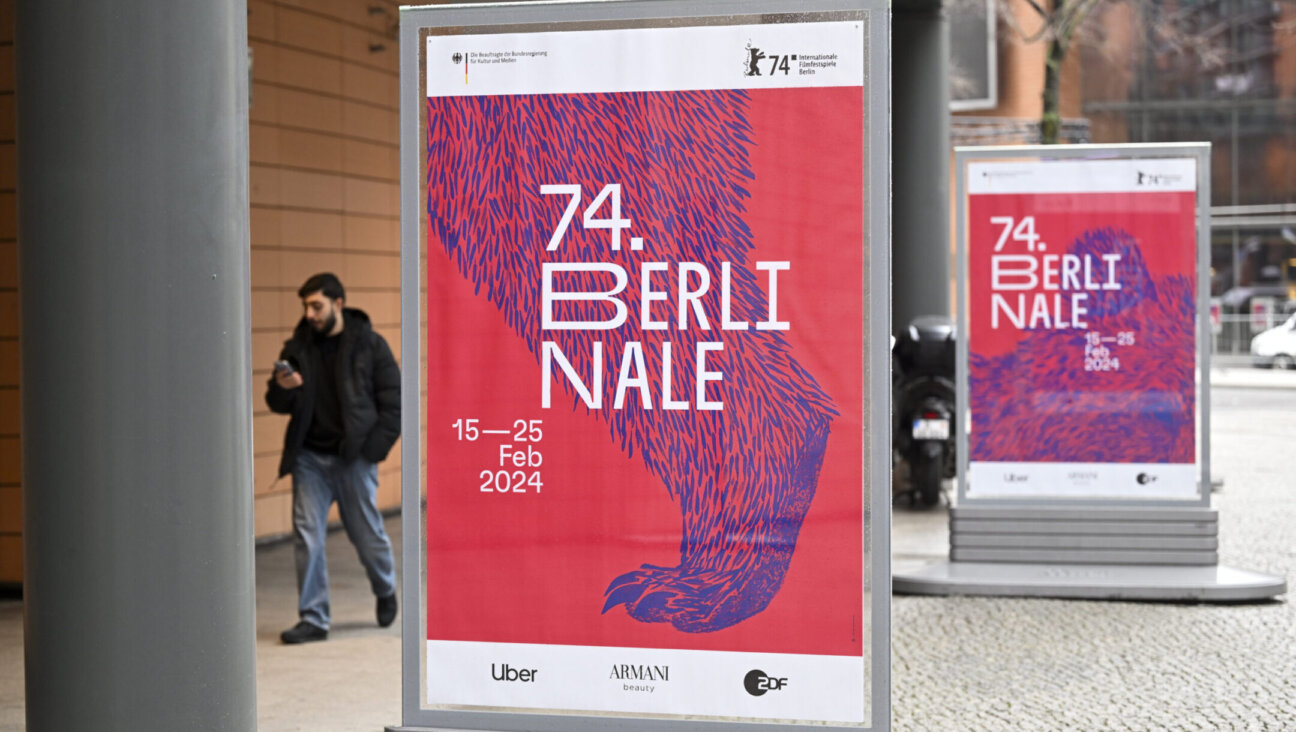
[753,56]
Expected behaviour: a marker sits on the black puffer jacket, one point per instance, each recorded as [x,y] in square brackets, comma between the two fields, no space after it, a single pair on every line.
[368,379]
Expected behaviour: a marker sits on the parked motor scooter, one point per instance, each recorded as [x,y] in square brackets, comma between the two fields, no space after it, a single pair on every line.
[923,404]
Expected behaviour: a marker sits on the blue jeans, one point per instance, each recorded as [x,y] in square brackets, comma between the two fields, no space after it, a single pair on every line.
[318,481]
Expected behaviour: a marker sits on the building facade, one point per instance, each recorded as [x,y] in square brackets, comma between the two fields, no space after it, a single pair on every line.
[324,174]
[324,189]
[1224,72]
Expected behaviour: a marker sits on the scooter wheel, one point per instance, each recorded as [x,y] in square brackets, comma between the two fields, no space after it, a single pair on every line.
[925,474]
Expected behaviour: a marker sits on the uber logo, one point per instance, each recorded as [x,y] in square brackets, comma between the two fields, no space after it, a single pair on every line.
[757,683]
[508,673]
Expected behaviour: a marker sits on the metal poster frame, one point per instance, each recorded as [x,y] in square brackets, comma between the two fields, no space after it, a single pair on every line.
[1198,151]
[416,715]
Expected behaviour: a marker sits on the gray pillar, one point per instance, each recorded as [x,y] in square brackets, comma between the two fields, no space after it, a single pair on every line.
[136,401]
[920,224]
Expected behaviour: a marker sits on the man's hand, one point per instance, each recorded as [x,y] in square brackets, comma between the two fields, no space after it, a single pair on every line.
[290,380]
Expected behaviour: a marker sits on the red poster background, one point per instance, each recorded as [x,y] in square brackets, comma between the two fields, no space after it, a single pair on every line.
[1031,398]
[1164,224]
[532,568]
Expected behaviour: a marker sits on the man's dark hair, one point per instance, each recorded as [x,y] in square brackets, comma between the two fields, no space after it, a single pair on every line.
[325,282]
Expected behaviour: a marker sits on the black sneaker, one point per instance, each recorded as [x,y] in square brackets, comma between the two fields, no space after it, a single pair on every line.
[303,632]
[386,610]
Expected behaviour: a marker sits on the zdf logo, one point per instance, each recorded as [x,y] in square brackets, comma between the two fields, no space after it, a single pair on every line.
[757,683]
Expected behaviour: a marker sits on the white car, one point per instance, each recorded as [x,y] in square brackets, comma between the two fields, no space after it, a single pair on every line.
[1277,346]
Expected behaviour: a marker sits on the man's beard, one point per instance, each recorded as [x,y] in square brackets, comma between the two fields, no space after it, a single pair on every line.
[328,325]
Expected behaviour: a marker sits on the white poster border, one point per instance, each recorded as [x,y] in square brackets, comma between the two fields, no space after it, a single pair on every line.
[648,681]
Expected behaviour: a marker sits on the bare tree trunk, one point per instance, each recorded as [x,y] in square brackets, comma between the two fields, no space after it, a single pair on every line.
[1051,121]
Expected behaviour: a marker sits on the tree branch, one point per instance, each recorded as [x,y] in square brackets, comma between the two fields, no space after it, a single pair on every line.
[1009,19]
[1042,12]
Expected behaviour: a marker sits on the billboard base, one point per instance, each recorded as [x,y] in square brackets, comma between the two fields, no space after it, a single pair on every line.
[1102,535]
[424,729]
[1213,583]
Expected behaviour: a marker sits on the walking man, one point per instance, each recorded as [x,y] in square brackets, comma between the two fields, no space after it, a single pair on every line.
[337,378]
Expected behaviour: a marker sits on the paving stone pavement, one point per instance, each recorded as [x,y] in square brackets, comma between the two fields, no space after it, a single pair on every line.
[958,663]
[966,663]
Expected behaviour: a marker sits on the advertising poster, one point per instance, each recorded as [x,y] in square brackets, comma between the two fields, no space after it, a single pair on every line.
[646,398]
[1082,317]
[1262,313]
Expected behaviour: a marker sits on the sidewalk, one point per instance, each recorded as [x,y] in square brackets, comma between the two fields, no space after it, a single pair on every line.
[1250,377]
[348,683]
[1012,663]
[958,662]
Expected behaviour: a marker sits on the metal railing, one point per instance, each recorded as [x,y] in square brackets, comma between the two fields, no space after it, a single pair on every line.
[1231,333]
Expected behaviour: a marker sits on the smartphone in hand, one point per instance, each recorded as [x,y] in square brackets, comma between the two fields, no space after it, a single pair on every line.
[283,368]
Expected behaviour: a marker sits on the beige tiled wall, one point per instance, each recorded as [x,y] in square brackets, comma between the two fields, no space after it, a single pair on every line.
[324,191]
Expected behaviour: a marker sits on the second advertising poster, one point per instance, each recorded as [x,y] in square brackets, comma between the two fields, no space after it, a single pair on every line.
[1082,328]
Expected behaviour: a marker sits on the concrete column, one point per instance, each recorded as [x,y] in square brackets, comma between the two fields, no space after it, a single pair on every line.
[136,402]
[920,154]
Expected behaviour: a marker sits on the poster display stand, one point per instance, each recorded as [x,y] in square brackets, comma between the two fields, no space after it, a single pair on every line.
[645,281]
[1083,363]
